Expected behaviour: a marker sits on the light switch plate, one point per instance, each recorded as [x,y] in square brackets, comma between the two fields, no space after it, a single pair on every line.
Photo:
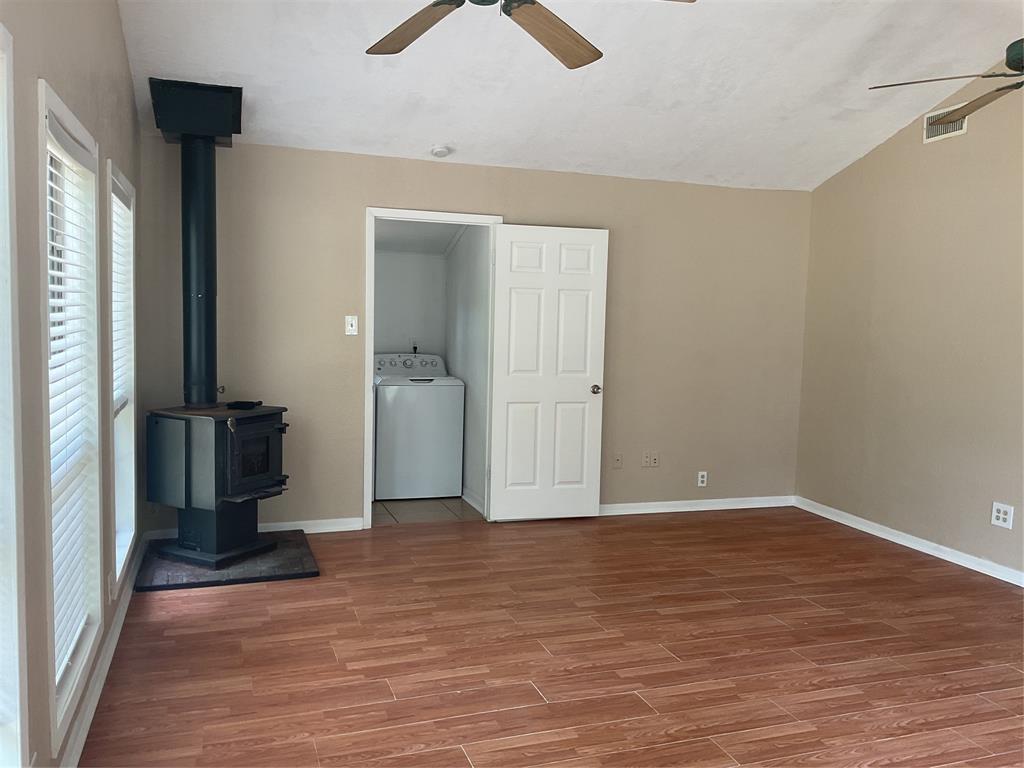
[351,325]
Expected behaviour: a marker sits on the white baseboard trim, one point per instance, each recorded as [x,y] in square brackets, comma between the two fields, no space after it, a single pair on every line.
[473,500]
[696,505]
[328,525]
[79,730]
[1001,572]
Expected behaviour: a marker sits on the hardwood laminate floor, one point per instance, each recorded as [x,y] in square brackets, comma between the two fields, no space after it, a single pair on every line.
[755,637]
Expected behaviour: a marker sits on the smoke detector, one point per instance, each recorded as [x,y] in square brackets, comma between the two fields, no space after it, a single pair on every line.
[441,150]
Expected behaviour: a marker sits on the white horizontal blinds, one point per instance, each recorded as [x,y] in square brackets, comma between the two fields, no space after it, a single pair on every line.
[122,296]
[74,455]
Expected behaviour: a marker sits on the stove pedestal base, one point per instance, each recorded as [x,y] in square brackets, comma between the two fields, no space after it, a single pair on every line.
[216,561]
[216,538]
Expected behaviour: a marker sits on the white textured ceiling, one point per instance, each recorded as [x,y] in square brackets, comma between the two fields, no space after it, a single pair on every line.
[747,93]
[415,236]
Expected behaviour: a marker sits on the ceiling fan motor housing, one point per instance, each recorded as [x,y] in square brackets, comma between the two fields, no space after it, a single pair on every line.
[1015,56]
[485,2]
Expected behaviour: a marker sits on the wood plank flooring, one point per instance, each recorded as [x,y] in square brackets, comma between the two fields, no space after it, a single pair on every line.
[756,637]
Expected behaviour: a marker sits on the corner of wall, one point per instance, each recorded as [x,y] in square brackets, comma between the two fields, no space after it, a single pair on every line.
[913,293]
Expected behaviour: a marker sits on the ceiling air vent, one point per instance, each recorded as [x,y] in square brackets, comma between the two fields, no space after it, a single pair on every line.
[939,132]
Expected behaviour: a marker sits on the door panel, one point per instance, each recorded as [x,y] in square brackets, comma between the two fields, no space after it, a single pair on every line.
[549,314]
[574,332]
[523,445]
[570,444]
[525,329]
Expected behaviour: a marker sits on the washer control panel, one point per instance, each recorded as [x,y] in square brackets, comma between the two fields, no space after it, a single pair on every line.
[402,364]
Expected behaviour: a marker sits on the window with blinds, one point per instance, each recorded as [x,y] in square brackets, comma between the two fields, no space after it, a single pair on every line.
[122,300]
[122,343]
[73,372]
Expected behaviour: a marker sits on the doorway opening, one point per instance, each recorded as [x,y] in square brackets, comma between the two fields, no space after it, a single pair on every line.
[428,340]
[518,351]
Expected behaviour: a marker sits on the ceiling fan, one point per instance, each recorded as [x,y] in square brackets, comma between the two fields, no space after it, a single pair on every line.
[562,41]
[1014,62]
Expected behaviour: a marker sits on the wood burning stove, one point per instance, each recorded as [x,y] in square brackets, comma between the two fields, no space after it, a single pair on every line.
[212,461]
[214,465]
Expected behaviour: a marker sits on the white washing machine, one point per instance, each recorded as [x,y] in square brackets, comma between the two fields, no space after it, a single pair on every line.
[419,421]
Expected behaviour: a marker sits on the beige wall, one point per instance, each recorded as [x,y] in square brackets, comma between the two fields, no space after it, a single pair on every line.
[90,74]
[706,289]
[911,406]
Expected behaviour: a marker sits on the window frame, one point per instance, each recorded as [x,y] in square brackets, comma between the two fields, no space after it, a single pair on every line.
[10,372]
[66,694]
[118,571]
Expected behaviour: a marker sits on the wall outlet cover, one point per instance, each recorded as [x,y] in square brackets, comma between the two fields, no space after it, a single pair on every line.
[1002,515]
[702,479]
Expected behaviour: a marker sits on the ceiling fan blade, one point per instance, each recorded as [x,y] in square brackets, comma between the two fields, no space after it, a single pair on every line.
[410,30]
[973,106]
[943,79]
[562,41]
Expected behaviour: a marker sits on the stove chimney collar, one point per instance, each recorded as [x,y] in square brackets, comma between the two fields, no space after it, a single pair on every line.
[196,109]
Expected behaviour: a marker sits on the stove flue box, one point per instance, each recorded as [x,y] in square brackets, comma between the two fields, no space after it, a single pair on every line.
[196,109]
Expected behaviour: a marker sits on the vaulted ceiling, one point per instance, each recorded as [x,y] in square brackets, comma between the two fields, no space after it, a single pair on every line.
[746,93]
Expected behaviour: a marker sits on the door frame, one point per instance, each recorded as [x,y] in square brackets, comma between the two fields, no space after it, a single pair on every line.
[427,217]
[12,382]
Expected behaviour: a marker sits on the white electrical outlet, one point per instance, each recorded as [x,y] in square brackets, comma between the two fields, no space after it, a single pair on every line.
[1002,515]
[702,479]
[617,461]
[645,459]
[655,459]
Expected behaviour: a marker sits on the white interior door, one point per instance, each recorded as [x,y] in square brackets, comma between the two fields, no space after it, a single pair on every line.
[549,310]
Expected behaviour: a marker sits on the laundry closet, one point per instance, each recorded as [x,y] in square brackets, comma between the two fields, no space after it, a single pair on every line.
[431,346]
[485,367]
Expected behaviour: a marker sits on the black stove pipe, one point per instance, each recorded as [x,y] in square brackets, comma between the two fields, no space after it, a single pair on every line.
[199,269]
[200,117]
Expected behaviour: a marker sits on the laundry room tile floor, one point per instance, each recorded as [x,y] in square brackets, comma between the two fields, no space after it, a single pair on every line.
[405,511]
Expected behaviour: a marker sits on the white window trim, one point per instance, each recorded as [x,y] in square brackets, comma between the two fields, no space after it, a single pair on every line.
[115,177]
[13,484]
[64,699]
